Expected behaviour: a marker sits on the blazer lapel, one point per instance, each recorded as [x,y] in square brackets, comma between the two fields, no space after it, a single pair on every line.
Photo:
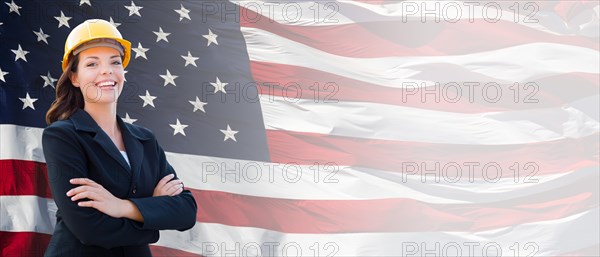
[134,147]
[103,140]
[83,121]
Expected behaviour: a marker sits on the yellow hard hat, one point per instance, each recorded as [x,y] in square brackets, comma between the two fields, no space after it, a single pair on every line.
[90,30]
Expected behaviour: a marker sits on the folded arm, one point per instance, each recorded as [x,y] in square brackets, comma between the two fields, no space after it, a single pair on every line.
[65,161]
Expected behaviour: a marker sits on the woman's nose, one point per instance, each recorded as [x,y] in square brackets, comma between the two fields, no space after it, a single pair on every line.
[107,69]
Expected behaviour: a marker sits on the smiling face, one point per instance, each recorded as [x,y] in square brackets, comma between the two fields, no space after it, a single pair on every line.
[99,75]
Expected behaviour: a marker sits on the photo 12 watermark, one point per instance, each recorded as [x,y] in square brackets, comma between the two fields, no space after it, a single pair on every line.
[468,249]
[455,11]
[254,172]
[470,171]
[453,92]
[266,248]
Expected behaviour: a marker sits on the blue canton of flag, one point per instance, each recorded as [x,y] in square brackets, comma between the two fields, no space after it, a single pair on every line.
[189,78]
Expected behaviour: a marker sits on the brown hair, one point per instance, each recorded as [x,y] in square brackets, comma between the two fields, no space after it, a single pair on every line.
[68,97]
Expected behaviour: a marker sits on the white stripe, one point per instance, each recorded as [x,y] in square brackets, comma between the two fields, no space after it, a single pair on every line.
[21,143]
[375,121]
[288,181]
[27,213]
[274,180]
[331,13]
[318,182]
[550,237]
[518,63]
[557,186]
[389,122]
[524,14]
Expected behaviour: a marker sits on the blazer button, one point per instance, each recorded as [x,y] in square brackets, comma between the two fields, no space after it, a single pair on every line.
[134,190]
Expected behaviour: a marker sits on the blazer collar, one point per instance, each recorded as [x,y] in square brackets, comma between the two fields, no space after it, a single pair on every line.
[132,138]
[84,122]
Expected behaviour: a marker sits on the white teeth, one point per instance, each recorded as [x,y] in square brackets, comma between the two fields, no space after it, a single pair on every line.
[106,84]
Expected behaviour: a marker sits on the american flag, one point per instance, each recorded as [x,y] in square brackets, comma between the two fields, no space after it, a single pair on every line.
[334,128]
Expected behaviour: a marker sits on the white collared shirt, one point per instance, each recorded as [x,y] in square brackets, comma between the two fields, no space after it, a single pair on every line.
[125,156]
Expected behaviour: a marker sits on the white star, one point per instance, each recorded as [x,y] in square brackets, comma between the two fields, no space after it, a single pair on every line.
[169,79]
[28,102]
[133,9]
[148,99]
[48,80]
[140,51]
[219,86]
[212,38]
[114,23]
[41,36]
[13,7]
[81,2]
[161,35]
[2,73]
[183,13]
[198,105]
[189,59]
[178,128]
[129,119]
[20,53]
[63,20]
[229,133]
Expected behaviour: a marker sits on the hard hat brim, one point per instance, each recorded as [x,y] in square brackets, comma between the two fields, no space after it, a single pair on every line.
[126,51]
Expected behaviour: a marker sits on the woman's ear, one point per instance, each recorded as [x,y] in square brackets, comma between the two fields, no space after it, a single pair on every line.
[74,81]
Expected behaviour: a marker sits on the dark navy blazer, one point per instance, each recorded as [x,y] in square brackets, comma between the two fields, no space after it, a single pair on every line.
[79,148]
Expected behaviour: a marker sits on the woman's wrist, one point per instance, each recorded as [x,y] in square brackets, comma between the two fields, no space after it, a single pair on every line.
[130,211]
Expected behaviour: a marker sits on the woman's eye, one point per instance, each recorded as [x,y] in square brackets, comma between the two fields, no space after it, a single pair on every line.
[91,64]
[117,62]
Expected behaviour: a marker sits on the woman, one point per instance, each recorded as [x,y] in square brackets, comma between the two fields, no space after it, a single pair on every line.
[110,180]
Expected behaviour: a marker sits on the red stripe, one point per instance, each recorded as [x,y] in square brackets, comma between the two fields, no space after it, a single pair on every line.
[322,216]
[567,10]
[412,38]
[550,157]
[13,244]
[24,178]
[161,251]
[385,215]
[295,82]
[560,7]
[570,9]
[30,178]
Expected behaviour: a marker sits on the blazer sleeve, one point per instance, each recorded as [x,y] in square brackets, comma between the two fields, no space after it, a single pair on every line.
[167,212]
[64,161]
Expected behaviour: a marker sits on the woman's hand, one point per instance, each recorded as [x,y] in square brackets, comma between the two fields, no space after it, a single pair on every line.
[99,198]
[166,187]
